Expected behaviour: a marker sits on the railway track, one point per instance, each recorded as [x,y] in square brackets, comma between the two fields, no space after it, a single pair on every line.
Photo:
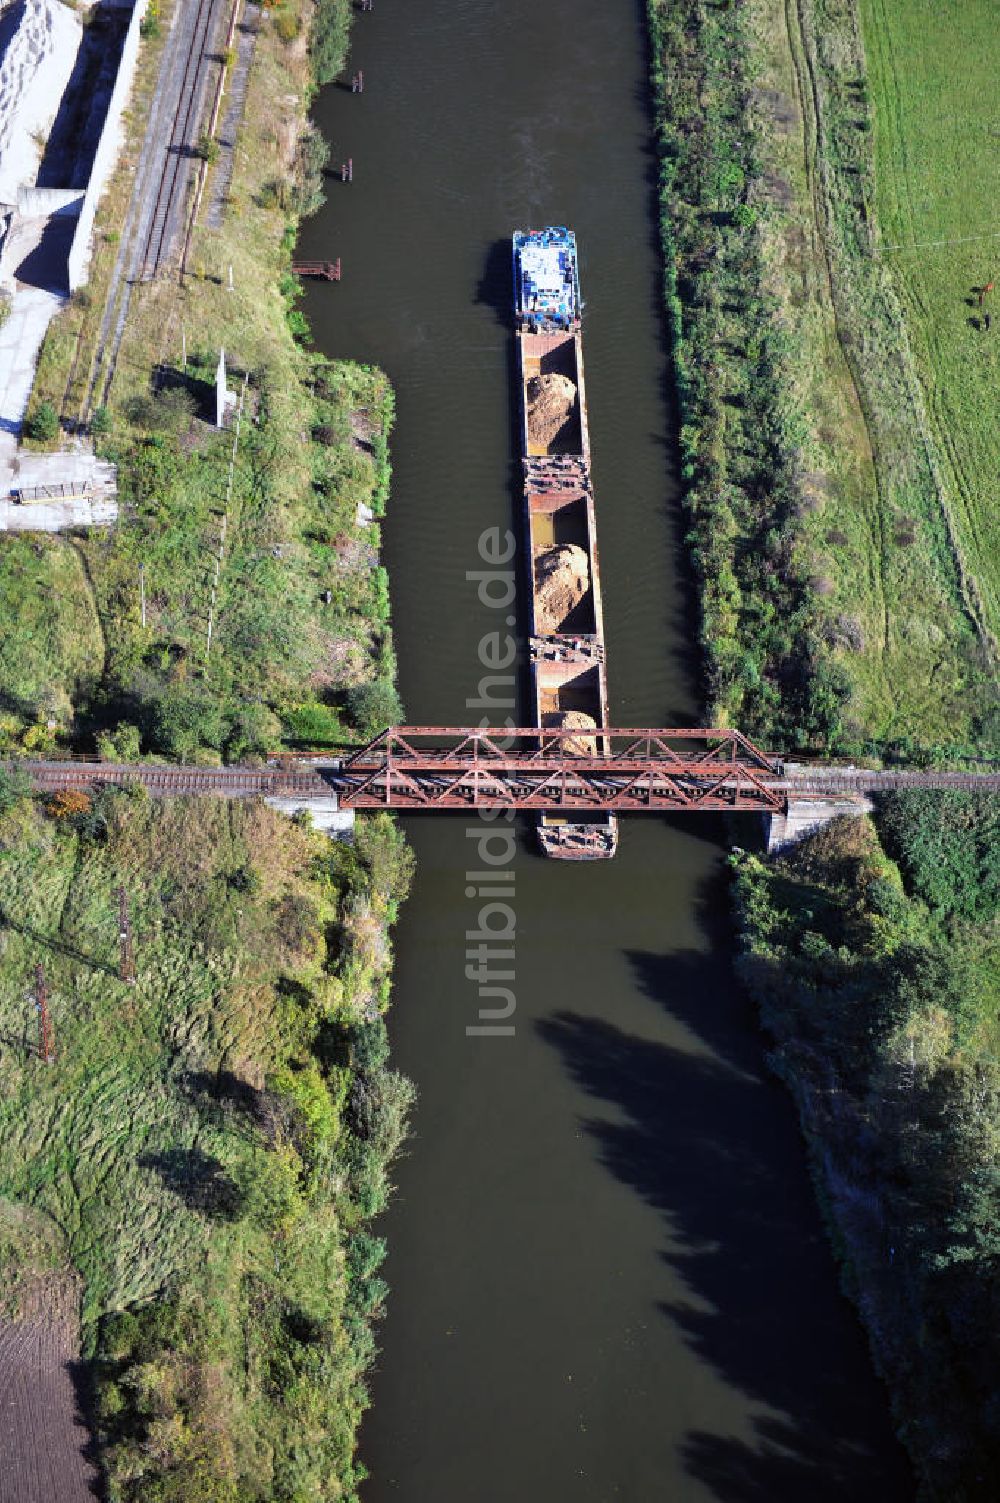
[160,184]
[232,782]
[183,138]
[406,777]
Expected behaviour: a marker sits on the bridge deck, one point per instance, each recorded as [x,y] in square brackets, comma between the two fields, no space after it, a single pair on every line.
[448,767]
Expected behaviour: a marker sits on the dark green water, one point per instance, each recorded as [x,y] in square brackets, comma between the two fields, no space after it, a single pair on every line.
[609,1277]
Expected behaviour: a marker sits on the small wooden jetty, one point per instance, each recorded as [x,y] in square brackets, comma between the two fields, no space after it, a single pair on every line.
[329,270]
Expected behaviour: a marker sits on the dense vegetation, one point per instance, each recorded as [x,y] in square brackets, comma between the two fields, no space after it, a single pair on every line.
[883,995]
[211,1141]
[831,586]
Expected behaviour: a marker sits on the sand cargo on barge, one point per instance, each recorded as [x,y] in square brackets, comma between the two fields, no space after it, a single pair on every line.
[568,679]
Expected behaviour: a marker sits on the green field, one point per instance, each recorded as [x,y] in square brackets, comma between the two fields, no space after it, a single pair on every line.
[932,73]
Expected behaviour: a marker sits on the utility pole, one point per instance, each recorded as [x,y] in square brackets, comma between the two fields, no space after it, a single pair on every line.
[46,1045]
[126,968]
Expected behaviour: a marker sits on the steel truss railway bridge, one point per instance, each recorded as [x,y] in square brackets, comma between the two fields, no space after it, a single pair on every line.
[524,769]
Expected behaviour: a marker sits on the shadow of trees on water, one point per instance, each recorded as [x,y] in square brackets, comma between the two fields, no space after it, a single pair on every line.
[709,1139]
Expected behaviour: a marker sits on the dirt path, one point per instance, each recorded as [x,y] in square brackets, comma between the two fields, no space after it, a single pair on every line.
[237,93]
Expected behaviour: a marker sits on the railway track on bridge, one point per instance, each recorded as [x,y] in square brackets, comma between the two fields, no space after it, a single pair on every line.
[455,768]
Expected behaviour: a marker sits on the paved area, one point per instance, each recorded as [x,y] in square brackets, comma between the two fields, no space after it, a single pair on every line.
[56,516]
[21,338]
[33,265]
[76,470]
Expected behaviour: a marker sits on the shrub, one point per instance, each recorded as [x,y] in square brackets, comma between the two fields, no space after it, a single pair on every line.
[100,422]
[313,724]
[381,846]
[43,424]
[329,38]
[948,846]
[69,803]
[184,718]
[286,24]
[119,745]
[374,706]
[15,785]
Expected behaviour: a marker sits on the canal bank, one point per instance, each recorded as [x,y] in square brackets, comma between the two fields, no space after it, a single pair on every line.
[609,1278]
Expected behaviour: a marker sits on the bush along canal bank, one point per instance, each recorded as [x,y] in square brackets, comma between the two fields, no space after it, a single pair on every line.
[838,613]
[206,1198]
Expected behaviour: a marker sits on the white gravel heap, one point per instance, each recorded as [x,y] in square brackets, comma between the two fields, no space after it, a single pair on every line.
[34,72]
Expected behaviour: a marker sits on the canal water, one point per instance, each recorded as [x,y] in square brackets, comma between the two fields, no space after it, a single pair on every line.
[609,1278]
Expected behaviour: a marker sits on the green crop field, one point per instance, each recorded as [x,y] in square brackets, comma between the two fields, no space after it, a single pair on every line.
[932,76]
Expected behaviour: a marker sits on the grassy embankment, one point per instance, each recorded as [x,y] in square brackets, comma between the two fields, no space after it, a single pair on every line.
[300,645]
[837,609]
[846,598]
[210,1142]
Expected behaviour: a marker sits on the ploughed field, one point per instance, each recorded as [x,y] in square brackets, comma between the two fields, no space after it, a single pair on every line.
[43,1440]
[932,75]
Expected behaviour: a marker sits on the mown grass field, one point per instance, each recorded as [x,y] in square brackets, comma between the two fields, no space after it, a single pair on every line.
[836,614]
[872,532]
[932,74]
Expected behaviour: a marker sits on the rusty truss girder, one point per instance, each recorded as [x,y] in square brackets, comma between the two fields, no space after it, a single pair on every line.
[528,769]
[456,767]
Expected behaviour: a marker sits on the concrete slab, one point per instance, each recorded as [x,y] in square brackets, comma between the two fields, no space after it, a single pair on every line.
[326,814]
[21,338]
[807,815]
[54,516]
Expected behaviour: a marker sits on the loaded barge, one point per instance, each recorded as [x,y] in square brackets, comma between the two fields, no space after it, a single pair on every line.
[568,680]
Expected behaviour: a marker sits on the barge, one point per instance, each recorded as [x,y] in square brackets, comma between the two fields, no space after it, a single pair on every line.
[567,667]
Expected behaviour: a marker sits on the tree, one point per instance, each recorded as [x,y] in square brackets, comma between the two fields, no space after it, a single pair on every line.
[183,718]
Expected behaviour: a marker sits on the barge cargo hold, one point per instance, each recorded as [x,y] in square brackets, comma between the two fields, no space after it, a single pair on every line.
[568,679]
